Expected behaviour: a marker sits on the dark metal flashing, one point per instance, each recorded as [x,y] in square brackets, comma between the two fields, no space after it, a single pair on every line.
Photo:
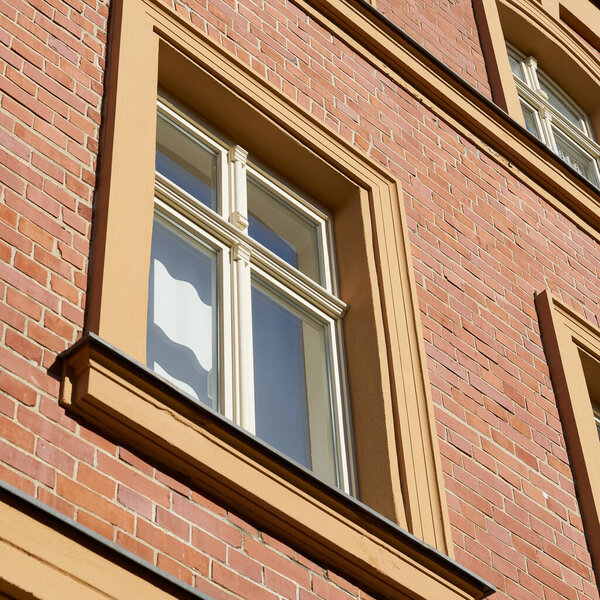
[362,512]
[22,501]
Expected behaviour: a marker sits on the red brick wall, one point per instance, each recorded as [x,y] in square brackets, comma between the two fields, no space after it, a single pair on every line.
[481,253]
[448,30]
[482,245]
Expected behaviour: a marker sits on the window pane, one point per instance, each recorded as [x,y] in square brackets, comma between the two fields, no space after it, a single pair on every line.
[183,314]
[560,105]
[530,121]
[284,231]
[186,162]
[515,67]
[292,393]
[574,157]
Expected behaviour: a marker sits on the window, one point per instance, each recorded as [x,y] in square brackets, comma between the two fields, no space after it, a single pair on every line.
[572,346]
[554,118]
[106,379]
[242,314]
[591,372]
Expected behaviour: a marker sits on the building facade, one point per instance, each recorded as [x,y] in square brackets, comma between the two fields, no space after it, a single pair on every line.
[299,299]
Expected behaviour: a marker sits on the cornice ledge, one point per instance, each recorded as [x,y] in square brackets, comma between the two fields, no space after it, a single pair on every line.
[23,504]
[386,46]
[120,395]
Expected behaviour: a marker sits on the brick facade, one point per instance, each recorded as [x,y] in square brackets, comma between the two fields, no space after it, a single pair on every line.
[482,243]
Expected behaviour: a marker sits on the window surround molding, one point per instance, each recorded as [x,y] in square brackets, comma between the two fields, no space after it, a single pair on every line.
[565,333]
[105,382]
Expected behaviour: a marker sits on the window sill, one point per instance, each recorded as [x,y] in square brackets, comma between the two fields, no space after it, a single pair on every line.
[121,396]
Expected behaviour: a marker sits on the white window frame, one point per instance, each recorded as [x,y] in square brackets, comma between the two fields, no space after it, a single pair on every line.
[548,117]
[241,259]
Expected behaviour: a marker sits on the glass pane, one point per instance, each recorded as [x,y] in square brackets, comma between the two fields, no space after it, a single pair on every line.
[575,158]
[183,314]
[515,67]
[186,162]
[530,121]
[292,393]
[560,105]
[284,231]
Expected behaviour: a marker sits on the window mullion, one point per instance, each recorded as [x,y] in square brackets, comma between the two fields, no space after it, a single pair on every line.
[239,196]
[530,64]
[244,413]
[547,133]
[243,392]
[545,116]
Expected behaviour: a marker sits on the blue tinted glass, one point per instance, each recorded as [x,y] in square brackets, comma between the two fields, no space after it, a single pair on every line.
[187,181]
[270,240]
[279,227]
[279,378]
[186,162]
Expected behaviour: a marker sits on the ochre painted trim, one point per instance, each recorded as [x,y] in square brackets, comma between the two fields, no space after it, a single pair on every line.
[378,41]
[46,558]
[126,172]
[558,51]
[127,399]
[564,333]
[538,30]
[402,478]
[493,46]
[581,15]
